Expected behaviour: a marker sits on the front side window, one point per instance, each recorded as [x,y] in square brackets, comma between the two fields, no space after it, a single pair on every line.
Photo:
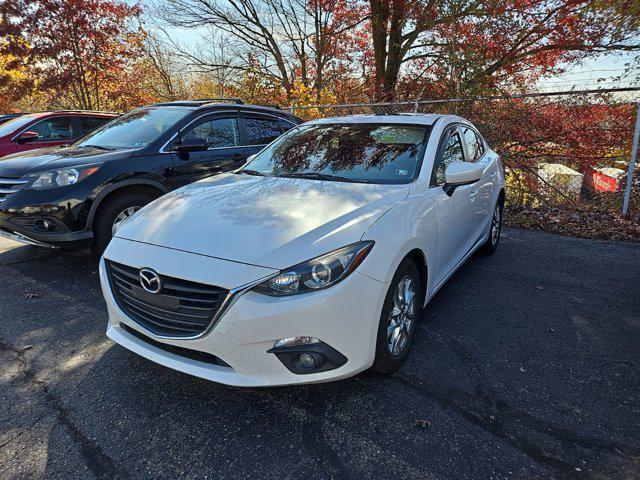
[13,126]
[452,152]
[57,128]
[218,133]
[136,129]
[474,144]
[261,131]
[369,153]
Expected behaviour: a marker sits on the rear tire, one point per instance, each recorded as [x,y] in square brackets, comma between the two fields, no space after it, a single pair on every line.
[495,229]
[117,207]
[400,313]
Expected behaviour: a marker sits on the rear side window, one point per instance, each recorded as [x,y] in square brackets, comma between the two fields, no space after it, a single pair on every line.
[474,144]
[56,128]
[89,124]
[219,133]
[262,131]
[452,152]
[285,126]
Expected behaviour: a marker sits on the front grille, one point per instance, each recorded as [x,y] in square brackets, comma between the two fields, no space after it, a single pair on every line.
[9,186]
[180,309]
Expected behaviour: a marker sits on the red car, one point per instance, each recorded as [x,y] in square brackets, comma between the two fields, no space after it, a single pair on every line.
[48,129]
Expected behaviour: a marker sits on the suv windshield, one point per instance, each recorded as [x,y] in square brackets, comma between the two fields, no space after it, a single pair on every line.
[369,153]
[136,129]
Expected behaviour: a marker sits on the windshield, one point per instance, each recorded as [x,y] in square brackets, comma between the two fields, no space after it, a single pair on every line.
[370,153]
[136,129]
[14,124]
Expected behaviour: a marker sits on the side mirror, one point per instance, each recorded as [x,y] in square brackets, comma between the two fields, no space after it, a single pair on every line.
[461,173]
[192,145]
[28,136]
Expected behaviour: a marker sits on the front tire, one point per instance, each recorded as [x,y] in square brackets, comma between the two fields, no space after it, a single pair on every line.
[400,314]
[111,214]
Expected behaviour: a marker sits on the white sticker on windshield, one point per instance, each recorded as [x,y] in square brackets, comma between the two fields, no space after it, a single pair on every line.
[401,172]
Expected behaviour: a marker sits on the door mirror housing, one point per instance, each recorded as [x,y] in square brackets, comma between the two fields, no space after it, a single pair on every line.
[192,145]
[28,136]
[461,173]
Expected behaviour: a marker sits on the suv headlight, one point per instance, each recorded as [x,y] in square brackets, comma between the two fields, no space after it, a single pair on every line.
[61,177]
[317,273]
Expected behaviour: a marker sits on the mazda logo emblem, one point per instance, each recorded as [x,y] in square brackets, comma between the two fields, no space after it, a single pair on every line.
[150,280]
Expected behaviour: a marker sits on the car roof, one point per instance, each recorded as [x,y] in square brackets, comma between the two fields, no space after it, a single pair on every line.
[71,112]
[400,118]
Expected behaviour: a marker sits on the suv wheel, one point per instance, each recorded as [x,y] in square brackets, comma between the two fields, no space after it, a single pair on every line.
[110,216]
[400,314]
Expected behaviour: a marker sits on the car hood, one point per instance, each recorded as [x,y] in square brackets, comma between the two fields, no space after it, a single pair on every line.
[267,221]
[18,164]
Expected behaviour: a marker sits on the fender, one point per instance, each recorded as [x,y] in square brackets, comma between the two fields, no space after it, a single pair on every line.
[116,186]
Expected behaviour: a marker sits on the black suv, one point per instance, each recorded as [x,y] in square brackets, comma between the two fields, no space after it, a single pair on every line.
[76,197]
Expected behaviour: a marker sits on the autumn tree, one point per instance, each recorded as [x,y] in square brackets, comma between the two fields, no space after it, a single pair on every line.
[86,53]
[490,43]
[286,41]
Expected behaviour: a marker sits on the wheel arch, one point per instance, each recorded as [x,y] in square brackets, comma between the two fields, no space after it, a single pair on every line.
[419,258]
[501,196]
[150,187]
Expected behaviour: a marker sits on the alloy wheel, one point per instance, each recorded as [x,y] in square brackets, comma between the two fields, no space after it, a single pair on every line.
[122,216]
[496,224]
[401,316]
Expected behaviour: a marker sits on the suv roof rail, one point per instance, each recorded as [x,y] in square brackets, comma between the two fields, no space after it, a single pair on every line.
[200,102]
[231,99]
[268,105]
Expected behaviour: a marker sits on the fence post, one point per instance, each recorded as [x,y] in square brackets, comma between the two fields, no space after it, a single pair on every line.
[632,163]
[416,106]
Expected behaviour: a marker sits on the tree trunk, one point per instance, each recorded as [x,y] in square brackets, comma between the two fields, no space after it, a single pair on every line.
[379,22]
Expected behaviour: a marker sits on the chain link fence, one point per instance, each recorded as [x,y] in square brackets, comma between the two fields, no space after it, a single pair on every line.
[566,154]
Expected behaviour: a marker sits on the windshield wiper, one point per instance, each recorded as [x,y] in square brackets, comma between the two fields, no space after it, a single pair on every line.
[99,147]
[321,176]
[251,172]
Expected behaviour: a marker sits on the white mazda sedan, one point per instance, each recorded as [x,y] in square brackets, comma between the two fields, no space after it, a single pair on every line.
[314,261]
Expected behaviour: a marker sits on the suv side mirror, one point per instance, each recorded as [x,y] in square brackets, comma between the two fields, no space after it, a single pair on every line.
[192,145]
[28,136]
[461,173]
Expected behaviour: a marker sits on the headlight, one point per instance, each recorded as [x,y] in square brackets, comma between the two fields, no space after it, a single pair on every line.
[318,273]
[62,177]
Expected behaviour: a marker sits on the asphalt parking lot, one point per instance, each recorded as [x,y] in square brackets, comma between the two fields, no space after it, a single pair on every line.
[525,366]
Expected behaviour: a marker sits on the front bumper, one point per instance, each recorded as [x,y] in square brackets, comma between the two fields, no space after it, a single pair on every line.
[21,212]
[70,240]
[345,317]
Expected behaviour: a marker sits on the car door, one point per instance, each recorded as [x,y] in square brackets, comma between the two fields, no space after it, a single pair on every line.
[52,131]
[261,130]
[477,152]
[455,213]
[225,151]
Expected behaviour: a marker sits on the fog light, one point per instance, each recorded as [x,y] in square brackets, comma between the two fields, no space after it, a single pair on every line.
[42,224]
[307,361]
[295,342]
